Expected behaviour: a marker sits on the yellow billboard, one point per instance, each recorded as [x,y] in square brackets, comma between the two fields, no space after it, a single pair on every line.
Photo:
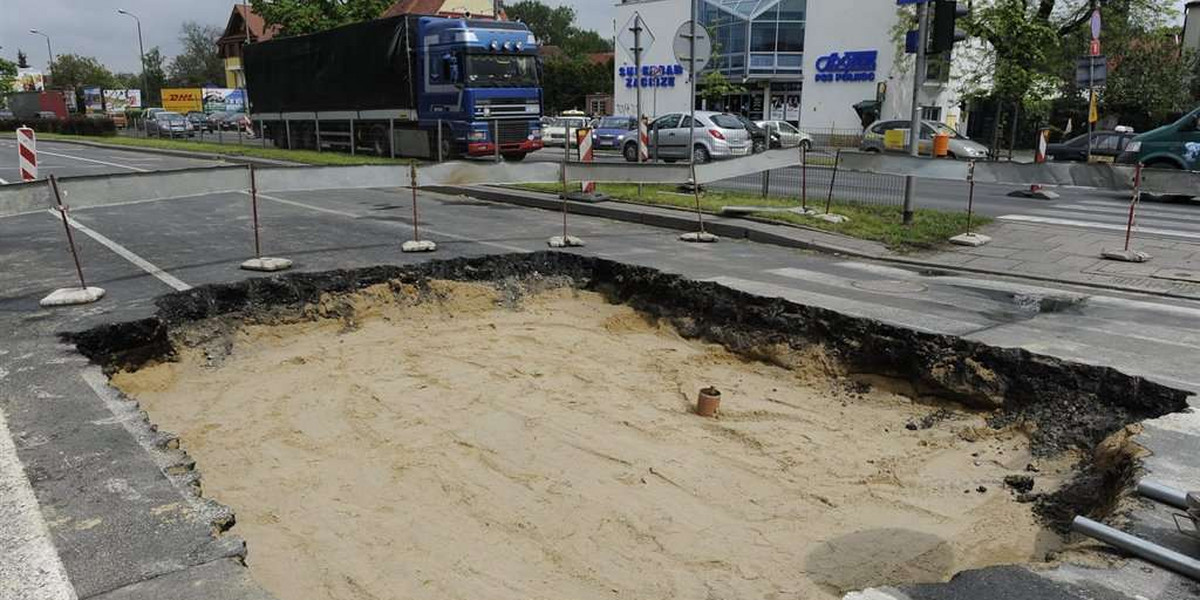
[182,100]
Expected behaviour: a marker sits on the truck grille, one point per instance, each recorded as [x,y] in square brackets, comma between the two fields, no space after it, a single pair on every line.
[512,132]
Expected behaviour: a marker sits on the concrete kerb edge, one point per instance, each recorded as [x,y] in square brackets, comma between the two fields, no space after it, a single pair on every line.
[615,210]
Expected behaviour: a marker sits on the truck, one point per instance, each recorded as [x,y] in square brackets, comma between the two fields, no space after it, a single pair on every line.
[411,85]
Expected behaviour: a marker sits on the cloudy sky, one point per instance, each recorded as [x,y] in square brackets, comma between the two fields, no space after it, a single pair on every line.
[93,27]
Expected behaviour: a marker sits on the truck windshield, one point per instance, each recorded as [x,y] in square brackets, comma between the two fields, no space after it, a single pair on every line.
[498,70]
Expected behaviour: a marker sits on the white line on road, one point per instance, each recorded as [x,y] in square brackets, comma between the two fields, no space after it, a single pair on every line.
[125,253]
[1095,225]
[3,182]
[29,564]
[425,229]
[92,160]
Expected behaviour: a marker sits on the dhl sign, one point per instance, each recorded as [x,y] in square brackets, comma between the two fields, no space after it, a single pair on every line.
[182,100]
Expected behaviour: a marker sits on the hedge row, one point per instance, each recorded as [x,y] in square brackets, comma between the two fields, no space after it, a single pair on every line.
[75,125]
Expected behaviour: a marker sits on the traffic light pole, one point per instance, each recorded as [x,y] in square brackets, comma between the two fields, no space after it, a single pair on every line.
[914,132]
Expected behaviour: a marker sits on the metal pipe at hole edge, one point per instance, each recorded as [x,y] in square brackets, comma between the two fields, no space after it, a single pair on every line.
[1168,559]
[1162,493]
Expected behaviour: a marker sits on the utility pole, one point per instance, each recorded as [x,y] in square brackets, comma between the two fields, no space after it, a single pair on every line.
[637,62]
[49,50]
[691,93]
[142,54]
[914,132]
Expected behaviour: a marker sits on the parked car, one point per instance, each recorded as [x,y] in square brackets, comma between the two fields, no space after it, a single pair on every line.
[960,145]
[199,121]
[785,135]
[555,133]
[150,112]
[169,124]
[718,135]
[1173,146]
[758,135]
[7,114]
[1107,145]
[611,132]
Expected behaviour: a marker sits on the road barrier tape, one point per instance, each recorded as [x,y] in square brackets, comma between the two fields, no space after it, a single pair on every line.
[102,190]
[27,153]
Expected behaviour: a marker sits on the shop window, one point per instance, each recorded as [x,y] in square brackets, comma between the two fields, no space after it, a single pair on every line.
[793,10]
[791,37]
[762,37]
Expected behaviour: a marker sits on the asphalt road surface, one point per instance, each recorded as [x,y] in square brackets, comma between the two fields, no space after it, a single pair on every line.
[69,160]
[101,489]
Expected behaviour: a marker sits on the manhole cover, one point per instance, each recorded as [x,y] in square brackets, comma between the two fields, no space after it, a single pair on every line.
[890,286]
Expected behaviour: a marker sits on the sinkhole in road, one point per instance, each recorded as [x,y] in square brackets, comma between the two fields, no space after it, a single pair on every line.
[522,426]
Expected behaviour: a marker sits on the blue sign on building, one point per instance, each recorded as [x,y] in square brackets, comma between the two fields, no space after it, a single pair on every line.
[652,75]
[847,66]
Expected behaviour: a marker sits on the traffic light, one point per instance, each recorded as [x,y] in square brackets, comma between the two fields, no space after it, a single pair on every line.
[945,32]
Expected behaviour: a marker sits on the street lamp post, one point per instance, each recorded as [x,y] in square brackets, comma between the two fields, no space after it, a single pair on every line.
[142,54]
[49,50]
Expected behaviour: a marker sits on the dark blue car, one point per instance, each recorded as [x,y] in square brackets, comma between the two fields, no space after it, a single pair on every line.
[611,132]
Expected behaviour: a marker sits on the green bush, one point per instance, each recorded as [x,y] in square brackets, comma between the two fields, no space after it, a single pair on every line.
[73,125]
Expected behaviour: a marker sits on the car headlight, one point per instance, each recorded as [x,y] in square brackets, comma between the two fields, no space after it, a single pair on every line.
[535,132]
[477,136]
[621,138]
[1134,146]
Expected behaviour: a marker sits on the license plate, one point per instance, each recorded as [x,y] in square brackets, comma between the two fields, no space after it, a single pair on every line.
[740,151]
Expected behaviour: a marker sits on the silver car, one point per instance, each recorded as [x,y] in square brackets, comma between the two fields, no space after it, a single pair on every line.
[169,124]
[785,135]
[718,135]
[960,146]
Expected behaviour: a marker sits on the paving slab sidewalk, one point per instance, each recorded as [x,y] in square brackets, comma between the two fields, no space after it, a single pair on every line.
[1033,251]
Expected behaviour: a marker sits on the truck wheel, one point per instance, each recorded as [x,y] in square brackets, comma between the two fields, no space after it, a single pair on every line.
[380,145]
[631,153]
[514,156]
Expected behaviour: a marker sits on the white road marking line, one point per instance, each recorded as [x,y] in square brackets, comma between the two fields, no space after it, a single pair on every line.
[92,160]
[1154,207]
[29,563]
[1095,225]
[879,312]
[1121,213]
[125,253]
[425,229]
[3,182]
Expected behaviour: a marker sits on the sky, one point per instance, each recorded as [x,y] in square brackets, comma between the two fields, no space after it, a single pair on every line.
[93,27]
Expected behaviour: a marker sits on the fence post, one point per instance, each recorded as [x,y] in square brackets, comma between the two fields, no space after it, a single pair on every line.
[416,244]
[565,240]
[804,177]
[1128,255]
[259,262]
[287,127]
[969,238]
[70,296]
[317,120]
[352,140]
[837,159]
[262,132]
[440,156]
[700,235]
[496,137]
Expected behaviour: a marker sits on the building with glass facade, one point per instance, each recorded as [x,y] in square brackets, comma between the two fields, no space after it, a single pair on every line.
[805,61]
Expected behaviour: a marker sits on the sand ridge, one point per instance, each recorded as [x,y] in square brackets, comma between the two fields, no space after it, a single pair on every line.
[454,444]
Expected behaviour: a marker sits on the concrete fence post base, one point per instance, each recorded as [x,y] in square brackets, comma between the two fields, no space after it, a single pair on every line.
[565,241]
[418,246]
[1133,256]
[72,296]
[700,237]
[973,240]
[267,264]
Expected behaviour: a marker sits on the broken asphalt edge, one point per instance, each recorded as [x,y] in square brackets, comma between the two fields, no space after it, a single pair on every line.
[758,230]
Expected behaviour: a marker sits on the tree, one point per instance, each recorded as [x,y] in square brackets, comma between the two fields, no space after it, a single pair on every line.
[8,75]
[200,62]
[127,81]
[296,17]
[156,77]
[22,60]
[74,71]
[715,87]
[1152,78]
[551,26]
[555,26]
[566,81]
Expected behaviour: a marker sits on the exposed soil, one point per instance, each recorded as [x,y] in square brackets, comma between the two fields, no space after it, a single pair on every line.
[436,448]
[378,435]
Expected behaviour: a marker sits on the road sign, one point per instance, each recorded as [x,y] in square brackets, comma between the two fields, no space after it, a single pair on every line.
[27,149]
[1091,71]
[683,46]
[1096,24]
[635,33]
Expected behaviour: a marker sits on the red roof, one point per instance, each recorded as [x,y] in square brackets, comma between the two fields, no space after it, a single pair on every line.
[443,8]
[259,32]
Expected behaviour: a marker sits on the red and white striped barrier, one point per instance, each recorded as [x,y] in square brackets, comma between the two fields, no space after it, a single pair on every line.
[586,155]
[27,149]
[1036,190]
[643,141]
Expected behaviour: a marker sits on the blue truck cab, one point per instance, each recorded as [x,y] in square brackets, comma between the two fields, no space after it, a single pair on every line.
[480,77]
